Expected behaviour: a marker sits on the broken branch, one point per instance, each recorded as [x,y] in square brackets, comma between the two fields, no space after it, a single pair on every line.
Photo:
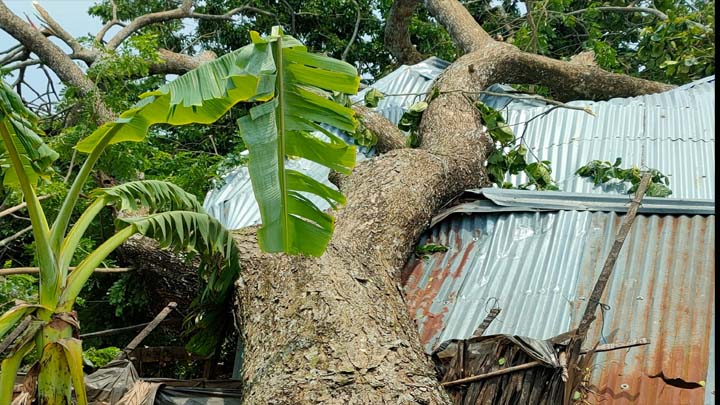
[146,331]
[492,374]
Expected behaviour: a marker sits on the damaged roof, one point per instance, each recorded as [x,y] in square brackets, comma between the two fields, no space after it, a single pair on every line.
[537,255]
[539,269]
[673,132]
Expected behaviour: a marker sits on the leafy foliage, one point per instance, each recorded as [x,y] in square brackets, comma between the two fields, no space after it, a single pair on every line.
[154,195]
[603,172]
[373,97]
[60,354]
[17,287]
[509,157]
[410,121]
[34,155]
[676,50]
[280,128]
[97,358]
[427,249]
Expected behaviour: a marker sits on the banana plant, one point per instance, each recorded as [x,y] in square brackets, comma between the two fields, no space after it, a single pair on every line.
[175,218]
[291,90]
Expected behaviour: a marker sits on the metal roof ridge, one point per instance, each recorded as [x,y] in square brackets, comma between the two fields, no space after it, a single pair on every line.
[494,200]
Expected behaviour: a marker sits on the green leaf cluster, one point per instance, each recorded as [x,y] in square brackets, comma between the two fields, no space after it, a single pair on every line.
[373,97]
[603,172]
[427,249]
[363,136]
[675,50]
[97,358]
[410,121]
[508,158]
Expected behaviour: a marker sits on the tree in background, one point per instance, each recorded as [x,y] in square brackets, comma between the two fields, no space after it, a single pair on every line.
[305,339]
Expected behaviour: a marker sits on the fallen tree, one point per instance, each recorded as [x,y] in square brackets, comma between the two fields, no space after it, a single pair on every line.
[335,329]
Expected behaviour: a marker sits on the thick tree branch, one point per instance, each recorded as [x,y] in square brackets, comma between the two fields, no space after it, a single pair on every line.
[571,81]
[388,135]
[177,63]
[465,31]
[490,61]
[397,32]
[184,11]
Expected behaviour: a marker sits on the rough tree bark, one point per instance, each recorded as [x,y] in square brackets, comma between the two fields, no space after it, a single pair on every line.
[335,329]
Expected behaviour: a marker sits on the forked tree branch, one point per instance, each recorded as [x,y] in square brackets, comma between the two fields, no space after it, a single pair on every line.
[111,23]
[488,61]
[52,56]
[184,11]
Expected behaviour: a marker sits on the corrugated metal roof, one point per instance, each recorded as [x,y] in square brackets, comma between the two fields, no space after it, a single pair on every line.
[405,86]
[673,132]
[539,267]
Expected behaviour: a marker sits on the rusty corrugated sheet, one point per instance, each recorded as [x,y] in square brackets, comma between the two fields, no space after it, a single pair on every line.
[520,262]
[663,289]
[538,267]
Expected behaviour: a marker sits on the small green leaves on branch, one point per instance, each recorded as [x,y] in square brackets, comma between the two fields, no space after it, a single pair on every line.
[603,172]
[373,97]
[363,136]
[497,128]
[509,158]
[410,121]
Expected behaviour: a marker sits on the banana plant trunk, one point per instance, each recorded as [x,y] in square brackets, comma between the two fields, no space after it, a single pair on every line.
[54,383]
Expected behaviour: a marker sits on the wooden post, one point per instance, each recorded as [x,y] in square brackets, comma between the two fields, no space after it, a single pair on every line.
[146,331]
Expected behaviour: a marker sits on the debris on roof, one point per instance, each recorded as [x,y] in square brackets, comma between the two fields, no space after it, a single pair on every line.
[673,132]
[537,254]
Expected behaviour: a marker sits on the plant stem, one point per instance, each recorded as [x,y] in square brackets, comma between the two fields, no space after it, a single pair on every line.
[49,276]
[63,219]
